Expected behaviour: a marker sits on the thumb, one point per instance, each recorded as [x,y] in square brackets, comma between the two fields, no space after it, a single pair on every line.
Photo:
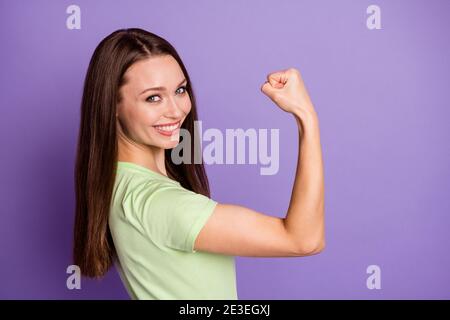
[268,89]
[271,92]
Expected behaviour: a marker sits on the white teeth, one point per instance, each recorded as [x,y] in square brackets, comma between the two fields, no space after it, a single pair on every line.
[167,128]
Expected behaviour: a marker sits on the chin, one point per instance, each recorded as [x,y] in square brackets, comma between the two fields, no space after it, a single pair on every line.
[170,144]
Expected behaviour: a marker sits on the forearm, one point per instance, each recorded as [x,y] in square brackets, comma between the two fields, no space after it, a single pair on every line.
[305,217]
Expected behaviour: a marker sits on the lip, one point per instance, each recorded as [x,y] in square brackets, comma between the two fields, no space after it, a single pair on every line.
[167,124]
[168,133]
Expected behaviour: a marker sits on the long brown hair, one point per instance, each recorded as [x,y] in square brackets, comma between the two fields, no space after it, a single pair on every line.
[97,150]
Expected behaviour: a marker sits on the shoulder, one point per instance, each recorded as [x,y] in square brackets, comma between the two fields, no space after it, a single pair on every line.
[162,195]
[141,189]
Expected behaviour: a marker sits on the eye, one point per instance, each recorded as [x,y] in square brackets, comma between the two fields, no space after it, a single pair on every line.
[183,90]
[153,98]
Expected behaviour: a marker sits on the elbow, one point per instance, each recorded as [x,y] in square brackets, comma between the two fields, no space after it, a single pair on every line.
[312,247]
[320,247]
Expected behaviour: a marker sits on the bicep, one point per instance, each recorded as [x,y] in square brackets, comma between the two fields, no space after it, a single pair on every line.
[240,231]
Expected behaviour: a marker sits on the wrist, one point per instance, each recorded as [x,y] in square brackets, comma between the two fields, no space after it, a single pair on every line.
[306,119]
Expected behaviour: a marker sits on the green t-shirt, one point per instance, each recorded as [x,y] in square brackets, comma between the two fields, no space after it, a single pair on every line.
[154,222]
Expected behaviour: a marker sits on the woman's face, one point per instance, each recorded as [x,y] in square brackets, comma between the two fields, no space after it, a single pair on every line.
[154,102]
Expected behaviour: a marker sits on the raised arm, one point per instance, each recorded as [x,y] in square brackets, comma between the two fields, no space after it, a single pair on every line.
[237,230]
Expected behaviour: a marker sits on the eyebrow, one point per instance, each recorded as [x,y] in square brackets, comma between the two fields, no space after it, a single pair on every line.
[160,88]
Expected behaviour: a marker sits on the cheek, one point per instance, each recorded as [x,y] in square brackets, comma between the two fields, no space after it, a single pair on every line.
[140,119]
[186,106]
[148,115]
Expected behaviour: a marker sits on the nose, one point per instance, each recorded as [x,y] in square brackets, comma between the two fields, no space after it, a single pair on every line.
[173,110]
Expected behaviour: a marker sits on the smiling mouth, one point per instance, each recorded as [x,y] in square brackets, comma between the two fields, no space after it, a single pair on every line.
[168,129]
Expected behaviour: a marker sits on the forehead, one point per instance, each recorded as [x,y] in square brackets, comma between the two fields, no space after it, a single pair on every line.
[154,71]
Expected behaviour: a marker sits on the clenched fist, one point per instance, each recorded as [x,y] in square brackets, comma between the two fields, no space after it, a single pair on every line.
[287,90]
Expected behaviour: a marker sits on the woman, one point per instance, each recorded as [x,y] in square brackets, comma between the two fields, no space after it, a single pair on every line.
[155,218]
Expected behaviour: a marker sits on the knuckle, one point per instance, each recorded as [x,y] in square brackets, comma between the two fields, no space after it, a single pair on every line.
[294,71]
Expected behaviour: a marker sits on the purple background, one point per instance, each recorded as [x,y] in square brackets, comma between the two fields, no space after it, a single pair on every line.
[383,102]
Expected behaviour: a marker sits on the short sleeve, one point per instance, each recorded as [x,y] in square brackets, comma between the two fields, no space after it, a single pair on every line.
[171,215]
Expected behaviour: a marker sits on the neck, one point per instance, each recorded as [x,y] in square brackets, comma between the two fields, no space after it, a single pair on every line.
[147,156]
